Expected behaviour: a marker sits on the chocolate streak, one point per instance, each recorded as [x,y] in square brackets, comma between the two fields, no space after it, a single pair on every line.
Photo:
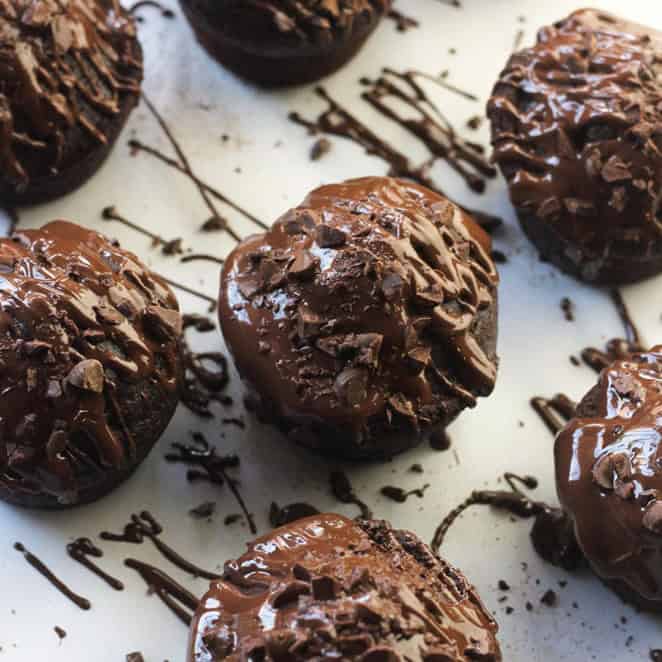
[46,572]
[82,548]
[144,526]
[179,600]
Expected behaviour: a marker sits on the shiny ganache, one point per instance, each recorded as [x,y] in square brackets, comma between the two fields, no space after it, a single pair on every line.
[609,476]
[577,132]
[370,309]
[90,369]
[327,587]
[68,68]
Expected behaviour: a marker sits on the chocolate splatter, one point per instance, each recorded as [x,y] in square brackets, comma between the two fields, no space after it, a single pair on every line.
[60,632]
[144,526]
[179,600]
[291,513]
[47,573]
[214,468]
[81,549]
[343,491]
[399,495]
[200,323]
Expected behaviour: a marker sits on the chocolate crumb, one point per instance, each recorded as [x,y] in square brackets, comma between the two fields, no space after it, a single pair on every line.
[568,308]
[529,606]
[503,585]
[135,657]
[232,519]
[416,468]
[321,147]
[60,632]
[399,495]
[549,598]
[575,361]
[475,122]
[499,257]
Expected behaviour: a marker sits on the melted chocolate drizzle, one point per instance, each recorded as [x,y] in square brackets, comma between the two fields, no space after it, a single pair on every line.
[45,571]
[178,599]
[82,548]
[144,526]
[555,412]
[337,120]
[431,126]
[201,454]
[165,12]
[203,384]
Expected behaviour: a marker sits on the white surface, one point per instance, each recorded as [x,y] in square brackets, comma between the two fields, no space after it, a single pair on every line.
[275,173]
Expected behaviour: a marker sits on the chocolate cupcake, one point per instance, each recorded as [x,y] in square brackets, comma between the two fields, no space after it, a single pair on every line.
[365,319]
[609,477]
[89,342]
[327,587]
[283,43]
[577,132]
[70,74]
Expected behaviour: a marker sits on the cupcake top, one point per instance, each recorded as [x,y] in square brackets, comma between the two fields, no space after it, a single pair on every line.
[577,130]
[275,26]
[79,319]
[609,473]
[363,304]
[328,587]
[64,66]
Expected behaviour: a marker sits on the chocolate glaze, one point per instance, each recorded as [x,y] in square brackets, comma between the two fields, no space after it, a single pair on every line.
[67,68]
[55,581]
[81,549]
[330,587]
[576,126]
[144,526]
[85,330]
[609,478]
[178,599]
[366,311]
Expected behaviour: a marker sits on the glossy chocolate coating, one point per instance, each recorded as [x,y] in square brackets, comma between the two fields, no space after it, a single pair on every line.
[577,132]
[365,317]
[327,587]
[90,368]
[609,476]
[276,42]
[70,72]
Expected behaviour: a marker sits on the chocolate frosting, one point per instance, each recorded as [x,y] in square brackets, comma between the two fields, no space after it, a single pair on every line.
[81,323]
[363,310]
[577,131]
[276,27]
[65,65]
[609,473]
[327,587]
